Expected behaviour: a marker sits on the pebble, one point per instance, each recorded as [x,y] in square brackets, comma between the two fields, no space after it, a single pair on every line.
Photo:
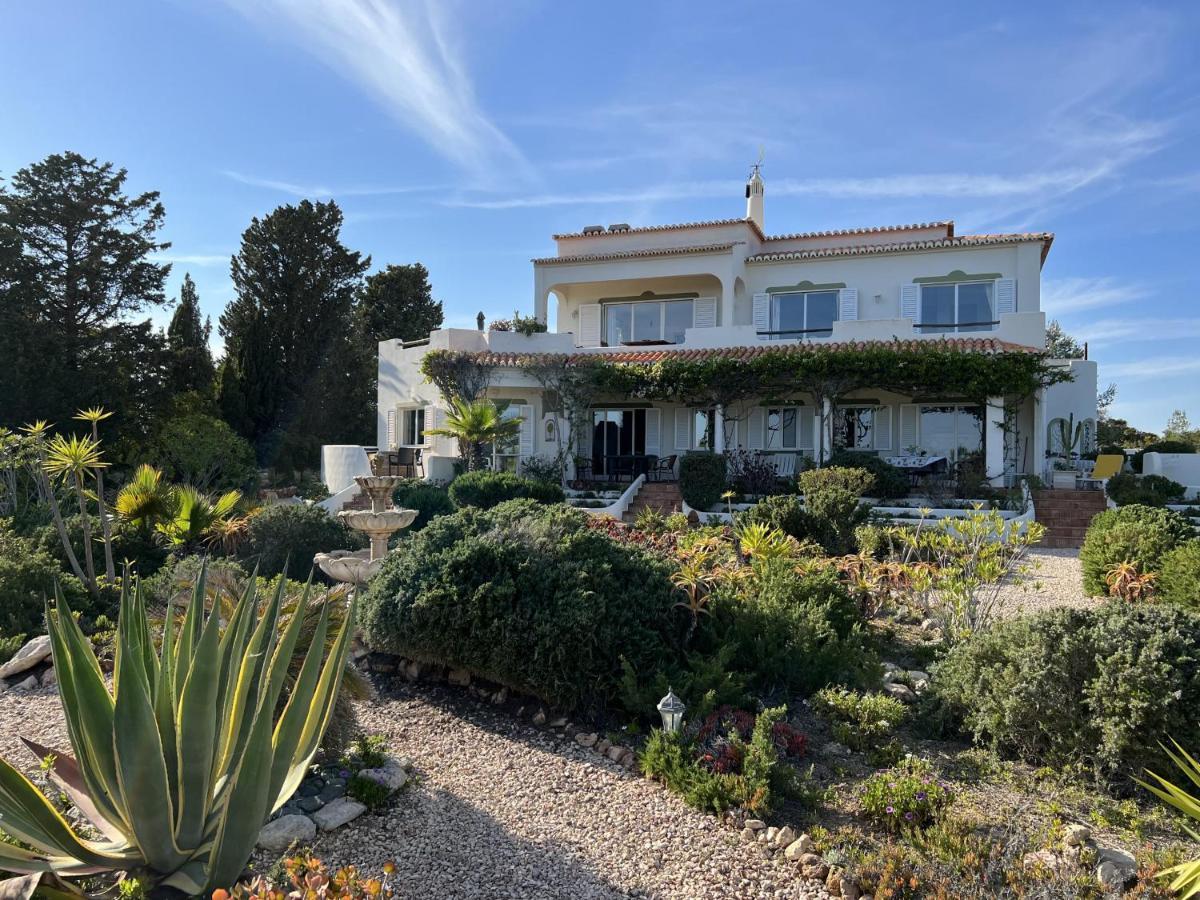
[338,813]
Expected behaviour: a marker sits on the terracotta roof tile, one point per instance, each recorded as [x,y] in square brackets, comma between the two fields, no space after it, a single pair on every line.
[987,346]
[878,229]
[631,254]
[966,240]
[641,229]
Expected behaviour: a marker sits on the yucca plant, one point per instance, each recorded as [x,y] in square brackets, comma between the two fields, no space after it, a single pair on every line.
[75,458]
[94,416]
[1185,876]
[181,763]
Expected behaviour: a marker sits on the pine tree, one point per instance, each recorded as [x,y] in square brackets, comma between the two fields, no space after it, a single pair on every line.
[398,303]
[296,286]
[191,362]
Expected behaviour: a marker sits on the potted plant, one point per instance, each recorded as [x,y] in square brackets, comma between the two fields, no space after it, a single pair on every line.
[1064,475]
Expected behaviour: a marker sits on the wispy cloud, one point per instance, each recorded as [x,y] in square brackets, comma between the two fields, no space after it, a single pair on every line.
[1152,367]
[1068,295]
[194,259]
[402,54]
[1142,329]
[297,189]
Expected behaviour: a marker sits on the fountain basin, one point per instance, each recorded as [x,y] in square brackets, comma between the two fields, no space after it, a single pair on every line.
[350,566]
[384,521]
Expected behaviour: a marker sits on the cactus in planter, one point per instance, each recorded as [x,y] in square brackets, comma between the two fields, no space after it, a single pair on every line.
[180,763]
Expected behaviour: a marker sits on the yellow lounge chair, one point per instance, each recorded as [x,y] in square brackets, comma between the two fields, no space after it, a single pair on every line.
[1106,466]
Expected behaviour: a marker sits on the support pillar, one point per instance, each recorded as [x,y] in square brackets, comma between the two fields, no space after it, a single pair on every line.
[993,441]
[825,426]
[719,430]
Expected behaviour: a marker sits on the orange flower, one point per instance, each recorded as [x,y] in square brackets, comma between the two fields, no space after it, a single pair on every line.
[220,894]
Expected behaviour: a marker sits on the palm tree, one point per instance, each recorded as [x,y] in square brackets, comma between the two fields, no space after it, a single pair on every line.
[194,515]
[37,432]
[95,416]
[475,424]
[146,500]
[74,458]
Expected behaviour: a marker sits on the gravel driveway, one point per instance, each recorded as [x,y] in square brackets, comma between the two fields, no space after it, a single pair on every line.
[501,809]
[1055,580]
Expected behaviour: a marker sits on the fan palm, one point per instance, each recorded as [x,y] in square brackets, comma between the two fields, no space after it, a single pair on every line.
[475,424]
[193,515]
[74,458]
[1186,875]
[146,499]
[95,416]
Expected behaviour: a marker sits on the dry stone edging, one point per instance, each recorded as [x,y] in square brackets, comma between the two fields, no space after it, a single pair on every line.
[31,654]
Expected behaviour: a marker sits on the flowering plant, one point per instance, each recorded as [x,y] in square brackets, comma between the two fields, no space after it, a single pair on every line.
[722,736]
[905,797]
[307,876]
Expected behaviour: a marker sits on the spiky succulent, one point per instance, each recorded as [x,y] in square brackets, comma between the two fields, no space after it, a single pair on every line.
[180,763]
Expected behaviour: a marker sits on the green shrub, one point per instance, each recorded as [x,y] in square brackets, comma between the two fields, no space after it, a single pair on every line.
[1179,575]
[371,794]
[174,581]
[525,595]
[27,578]
[485,489]
[831,501]
[783,512]
[702,479]
[890,481]
[1068,686]
[1148,490]
[792,632]
[542,468]
[758,787]
[860,721]
[1138,460]
[137,545]
[283,539]
[428,499]
[906,797]
[1135,534]
[202,450]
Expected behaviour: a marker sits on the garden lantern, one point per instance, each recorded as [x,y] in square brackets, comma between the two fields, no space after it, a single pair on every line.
[671,709]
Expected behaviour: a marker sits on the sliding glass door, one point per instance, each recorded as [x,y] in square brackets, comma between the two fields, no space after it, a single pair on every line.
[616,433]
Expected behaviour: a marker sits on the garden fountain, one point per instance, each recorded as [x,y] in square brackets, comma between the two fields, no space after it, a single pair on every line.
[378,523]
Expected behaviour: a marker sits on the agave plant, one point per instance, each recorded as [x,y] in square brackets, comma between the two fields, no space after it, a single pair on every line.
[1185,876]
[180,764]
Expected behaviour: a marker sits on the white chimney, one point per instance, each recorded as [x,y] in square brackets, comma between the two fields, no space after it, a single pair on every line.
[754,198]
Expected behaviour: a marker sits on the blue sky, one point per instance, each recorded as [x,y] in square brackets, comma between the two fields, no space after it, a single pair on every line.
[463,135]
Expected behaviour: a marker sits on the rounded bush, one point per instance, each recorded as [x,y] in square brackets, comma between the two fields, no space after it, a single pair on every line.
[783,512]
[525,595]
[890,481]
[1148,490]
[485,489]
[428,499]
[27,577]
[1138,459]
[702,479]
[1179,575]
[1103,686]
[1135,534]
[283,539]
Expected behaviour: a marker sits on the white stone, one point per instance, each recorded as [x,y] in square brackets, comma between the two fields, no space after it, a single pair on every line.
[49,677]
[785,837]
[391,775]
[799,847]
[338,813]
[560,722]
[615,752]
[539,718]
[771,832]
[900,691]
[918,675]
[756,824]
[27,685]
[281,833]
[1076,835]
[460,677]
[1112,877]
[28,656]
[587,739]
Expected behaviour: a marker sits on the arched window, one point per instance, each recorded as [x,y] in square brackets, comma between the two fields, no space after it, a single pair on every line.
[1054,436]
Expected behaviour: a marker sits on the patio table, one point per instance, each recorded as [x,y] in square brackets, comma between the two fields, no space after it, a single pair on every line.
[620,465]
[917,466]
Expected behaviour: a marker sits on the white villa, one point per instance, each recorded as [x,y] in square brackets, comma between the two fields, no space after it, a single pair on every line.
[728,288]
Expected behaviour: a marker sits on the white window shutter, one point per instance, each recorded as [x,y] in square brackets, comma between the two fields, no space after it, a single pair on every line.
[756,429]
[1006,296]
[883,428]
[442,445]
[589,325]
[391,429]
[762,313]
[848,304]
[807,423]
[525,411]
[653,427]
[910,419]
[423,438]
[704,312]
[683,429]
[583,437]
[910,301]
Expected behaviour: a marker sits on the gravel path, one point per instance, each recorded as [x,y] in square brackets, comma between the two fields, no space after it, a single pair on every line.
[500,809]
[1054,581]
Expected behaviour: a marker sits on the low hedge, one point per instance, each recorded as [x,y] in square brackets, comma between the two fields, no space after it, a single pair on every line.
[1135,534]
[702,479]
[428,499]
[525,595]
[283,539]
[485,489]
[1102,687]
[1148,490]
[891,482]
[1179,575]
[1137,461]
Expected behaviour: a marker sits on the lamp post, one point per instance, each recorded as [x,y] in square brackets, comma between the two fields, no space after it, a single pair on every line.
[671,708]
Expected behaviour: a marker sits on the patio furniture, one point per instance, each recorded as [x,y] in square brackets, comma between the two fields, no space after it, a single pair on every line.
[628,466]
[918,467]
[785,466]
[1107,465]
[401,462]
[663,469]
[583,471]
[419,463]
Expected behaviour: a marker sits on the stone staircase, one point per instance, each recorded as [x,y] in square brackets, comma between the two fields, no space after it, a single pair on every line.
[1066,515]
[663,496]
[358,501]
